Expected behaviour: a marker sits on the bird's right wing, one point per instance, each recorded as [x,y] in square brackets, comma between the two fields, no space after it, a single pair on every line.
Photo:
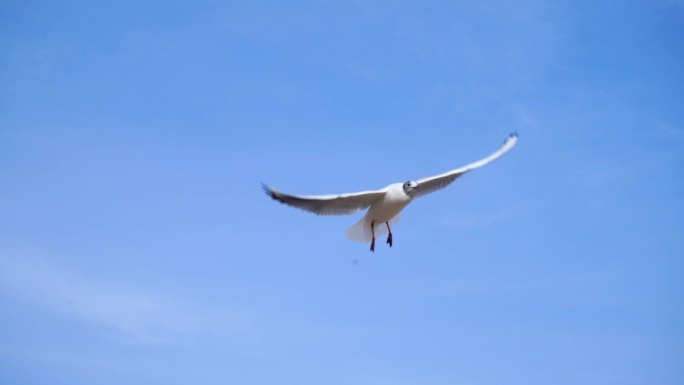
[340,204]
[437,182]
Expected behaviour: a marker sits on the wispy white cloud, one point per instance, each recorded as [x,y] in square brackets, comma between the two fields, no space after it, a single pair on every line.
[535,286]
[128,313]
[679,3]
[669,131]
[377,380]
[483,220]
[372,72]
[494,286]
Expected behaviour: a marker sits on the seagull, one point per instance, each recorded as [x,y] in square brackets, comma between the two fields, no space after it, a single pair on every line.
[383,205]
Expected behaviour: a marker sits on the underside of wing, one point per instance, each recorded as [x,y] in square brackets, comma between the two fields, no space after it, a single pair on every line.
[437,182]
[341,204]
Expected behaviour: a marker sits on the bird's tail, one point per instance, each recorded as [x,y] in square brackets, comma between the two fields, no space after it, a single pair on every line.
[361,231]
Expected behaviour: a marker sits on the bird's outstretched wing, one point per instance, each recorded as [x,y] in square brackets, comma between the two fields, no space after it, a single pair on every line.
[434,183]
[341,204]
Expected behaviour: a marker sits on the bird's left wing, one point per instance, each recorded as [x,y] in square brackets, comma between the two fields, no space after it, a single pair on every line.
[434,183]
[340,204]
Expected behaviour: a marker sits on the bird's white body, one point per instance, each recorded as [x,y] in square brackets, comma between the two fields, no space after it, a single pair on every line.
[385,204]
[390,205]
[384,210]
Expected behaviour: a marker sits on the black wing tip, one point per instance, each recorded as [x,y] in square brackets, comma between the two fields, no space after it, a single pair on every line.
[512,135]
[269,191]
[274,194]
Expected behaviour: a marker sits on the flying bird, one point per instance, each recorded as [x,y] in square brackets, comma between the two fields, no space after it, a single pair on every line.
[383,205]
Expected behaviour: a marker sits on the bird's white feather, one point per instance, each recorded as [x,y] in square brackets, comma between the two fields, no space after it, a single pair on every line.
[437,182]
[361,231]
[340,204]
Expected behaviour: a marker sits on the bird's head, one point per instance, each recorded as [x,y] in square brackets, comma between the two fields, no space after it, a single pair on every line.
[410,188]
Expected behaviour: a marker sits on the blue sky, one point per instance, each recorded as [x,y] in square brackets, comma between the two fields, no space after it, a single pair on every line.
[137,247]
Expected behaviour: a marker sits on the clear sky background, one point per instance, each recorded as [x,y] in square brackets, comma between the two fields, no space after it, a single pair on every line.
[137,247]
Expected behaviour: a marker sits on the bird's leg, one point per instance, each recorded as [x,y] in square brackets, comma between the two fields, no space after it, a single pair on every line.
[389,237]
[373,233]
